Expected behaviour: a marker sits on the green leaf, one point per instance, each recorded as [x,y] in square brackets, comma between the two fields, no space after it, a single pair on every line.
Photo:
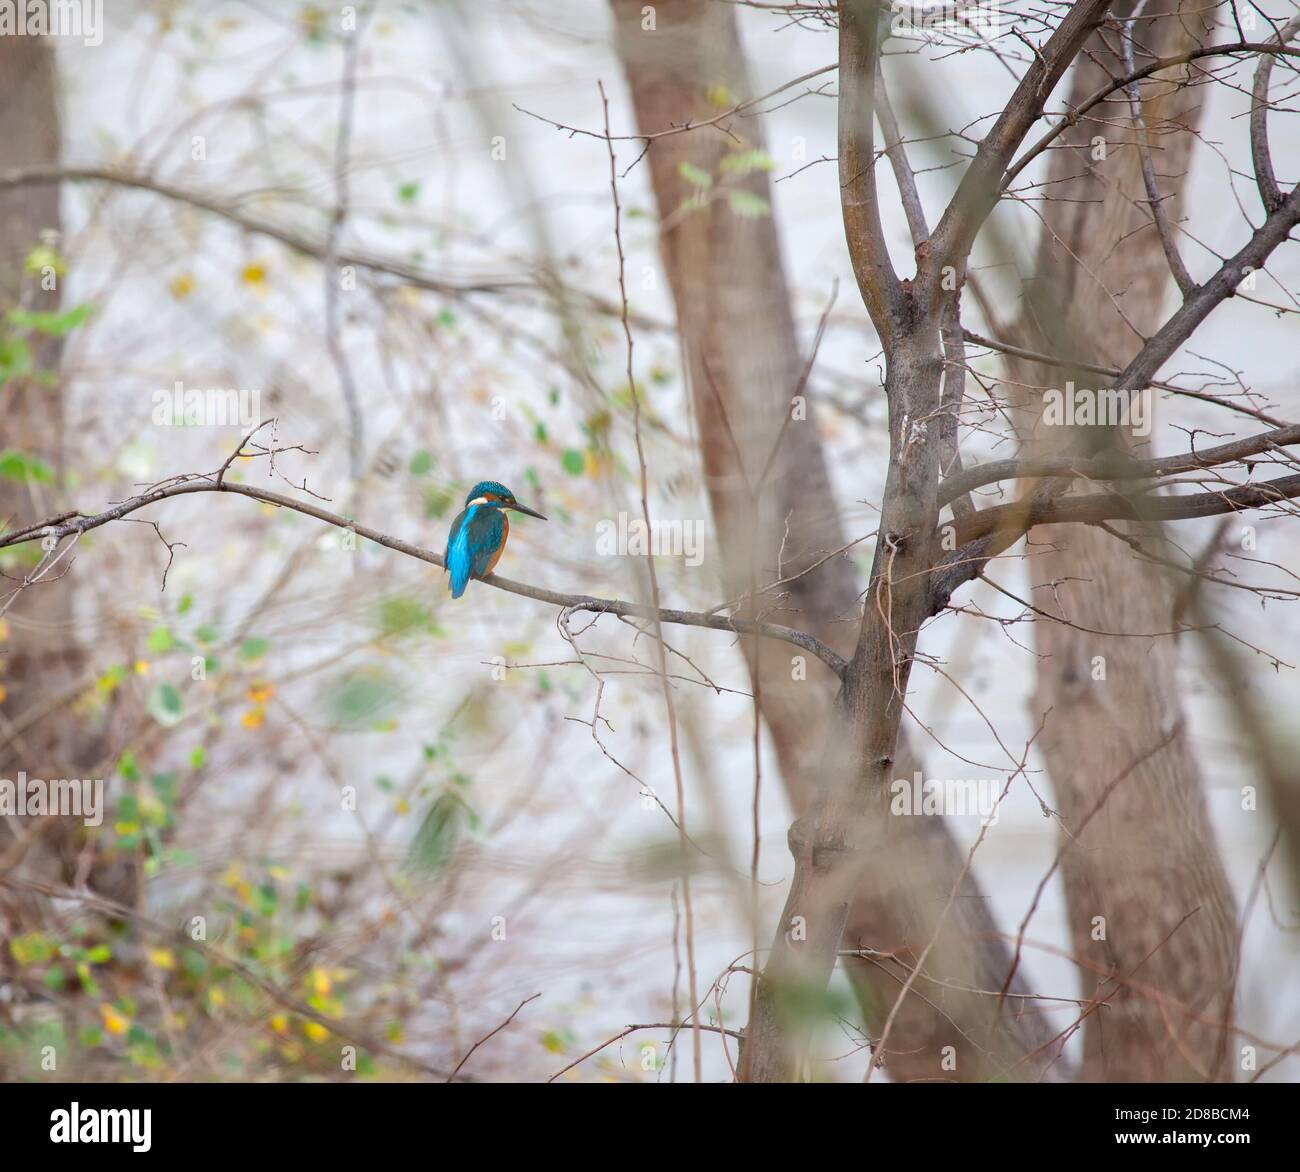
[165,705]
[744,162]
[404,616]
[747,205]
[361,699]
[408,192]
[165,786]
[34,948]
[694,175]
[44,256]
[434,842]
[22,467]
[268,899]
[557,1041]
[421,463]
[254,649]
[437,500]
[88,983]
[574,462]
[160,640]
[57,325]
[15,359]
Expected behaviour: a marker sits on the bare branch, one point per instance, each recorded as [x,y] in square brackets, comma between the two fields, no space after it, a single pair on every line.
[982,183]
[1117,467]
[574,602]
[859,54]
[1269,193]
[1148,70]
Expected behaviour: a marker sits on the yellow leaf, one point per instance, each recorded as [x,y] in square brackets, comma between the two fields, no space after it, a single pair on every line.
[181,286]
[253,718]
[313,19]
[142,667]
[162,958]
[320,982]
[280,1023]
[4,630]
[4,693]
[721,97]
[315,1031]
[254,275]
[114,1022]
[260,693]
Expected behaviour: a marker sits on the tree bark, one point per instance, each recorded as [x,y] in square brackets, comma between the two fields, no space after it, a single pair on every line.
[42,657]
[1148,899]
[742,355]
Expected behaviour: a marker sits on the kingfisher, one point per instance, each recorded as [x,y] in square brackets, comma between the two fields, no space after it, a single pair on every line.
[477,537]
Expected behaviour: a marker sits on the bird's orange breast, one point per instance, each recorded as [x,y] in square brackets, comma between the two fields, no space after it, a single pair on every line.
[505,536]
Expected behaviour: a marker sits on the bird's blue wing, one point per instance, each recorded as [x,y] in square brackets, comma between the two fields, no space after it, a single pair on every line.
[473,539]
[458,555]
[487,533]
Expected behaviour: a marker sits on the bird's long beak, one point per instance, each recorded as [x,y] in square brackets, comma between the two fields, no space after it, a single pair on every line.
[525,509]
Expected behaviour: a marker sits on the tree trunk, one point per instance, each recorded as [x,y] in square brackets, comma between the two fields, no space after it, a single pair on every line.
[1147,895]
[744,364]
[42,657]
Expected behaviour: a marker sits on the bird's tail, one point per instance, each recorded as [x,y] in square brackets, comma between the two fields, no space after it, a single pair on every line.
[459,580]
